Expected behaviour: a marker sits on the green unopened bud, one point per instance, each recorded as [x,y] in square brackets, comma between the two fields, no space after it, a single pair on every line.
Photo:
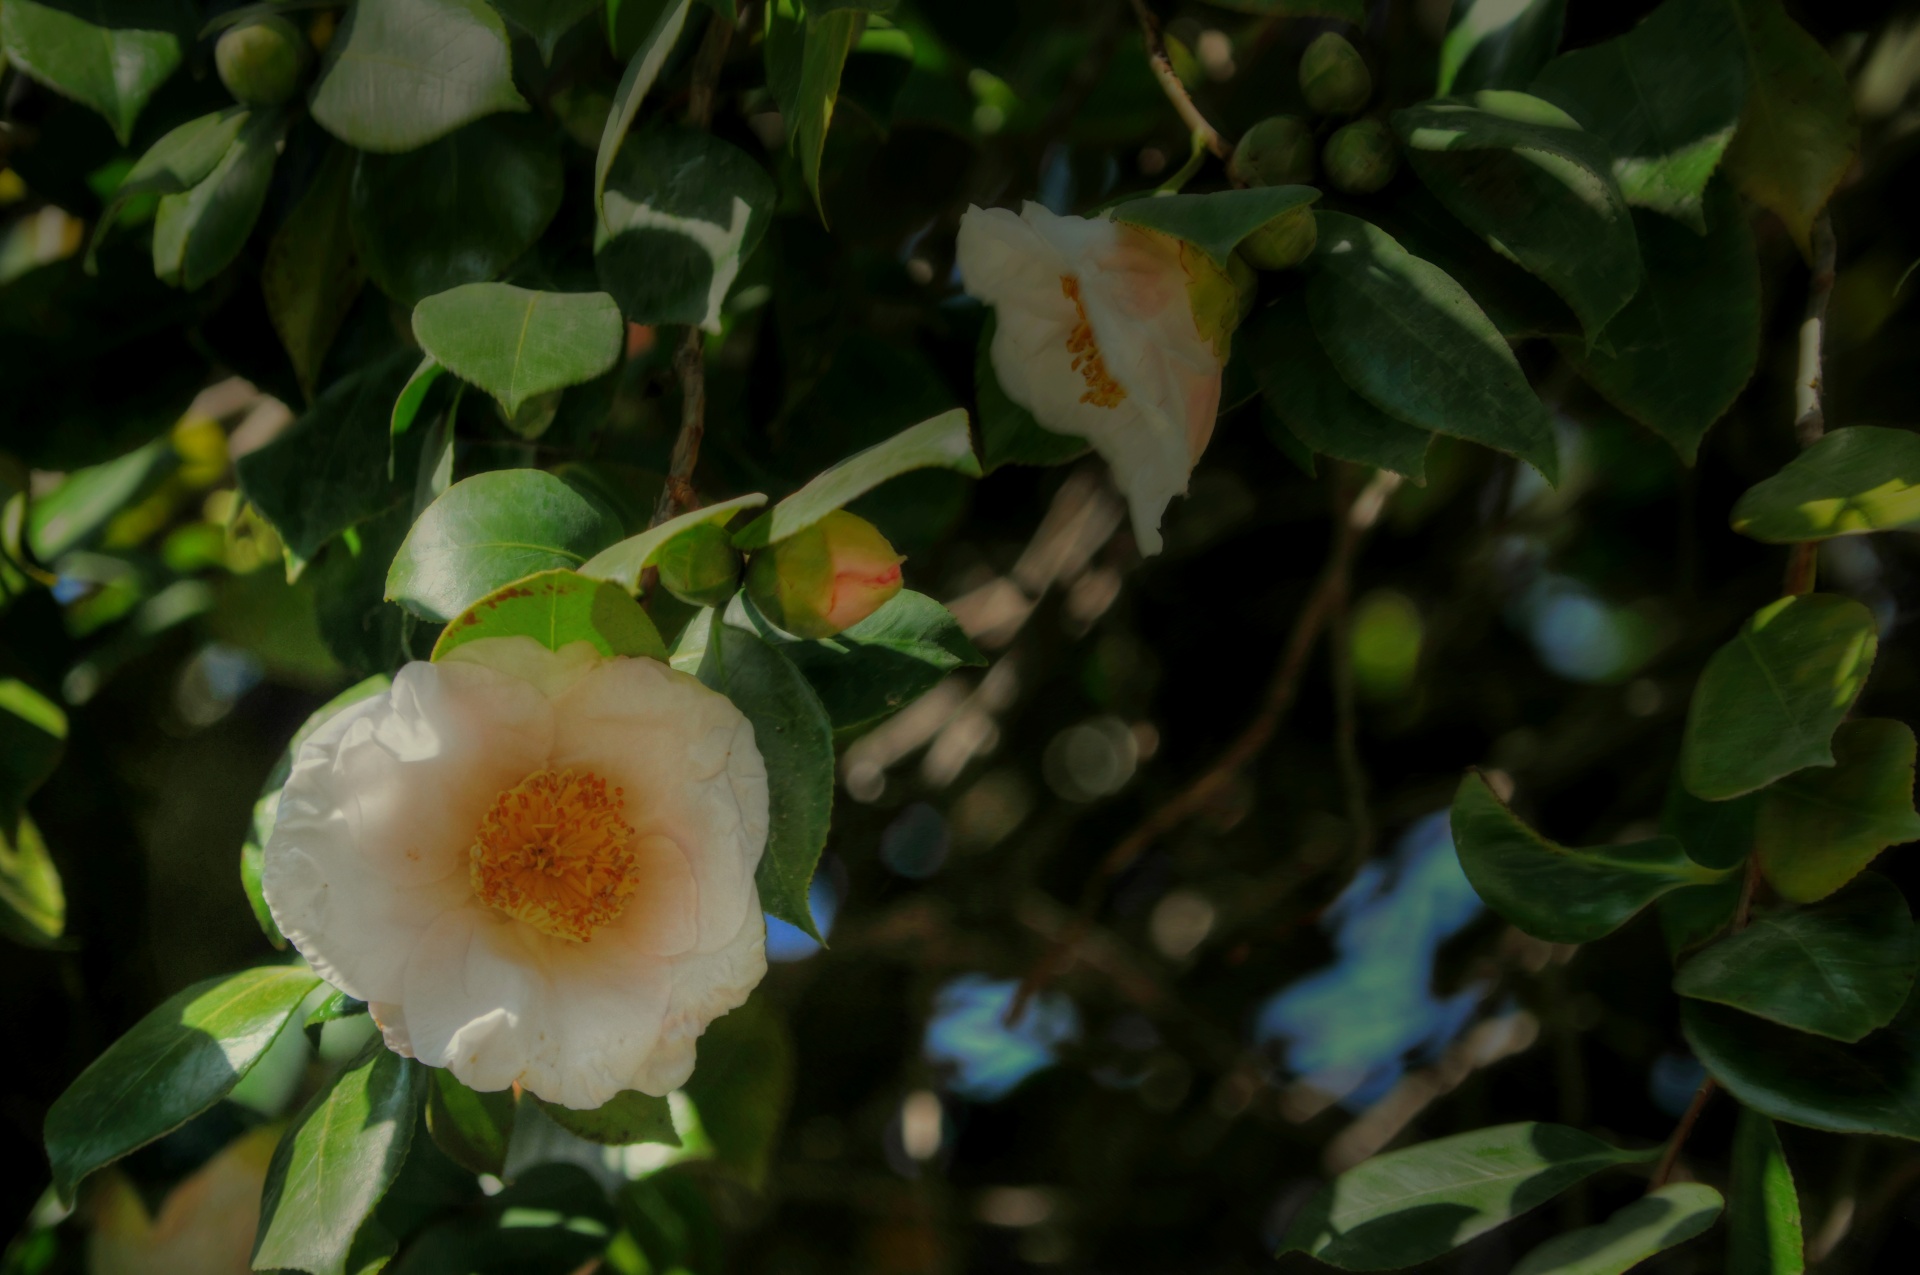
[827,578]
[1278,151]
[700,566]
[1362,157]
[1334,77]
[1284,242]
[260,61]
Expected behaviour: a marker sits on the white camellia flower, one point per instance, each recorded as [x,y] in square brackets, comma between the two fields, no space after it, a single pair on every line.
[1097,336]
[536,867]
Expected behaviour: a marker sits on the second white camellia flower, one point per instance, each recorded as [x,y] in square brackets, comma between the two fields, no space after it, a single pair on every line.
[536,867]
[1098,336]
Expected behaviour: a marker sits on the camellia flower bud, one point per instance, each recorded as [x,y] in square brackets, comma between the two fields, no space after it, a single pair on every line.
[1361,157]
[1334,77]
[1277,151]
[700,566]
[260,61]
[1284,242]
[827,578]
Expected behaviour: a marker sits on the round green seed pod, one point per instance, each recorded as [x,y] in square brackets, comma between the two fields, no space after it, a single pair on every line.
[1361,157]
[261,61]
[1334,77]
[1278,151]
[700,566]
[1284,242]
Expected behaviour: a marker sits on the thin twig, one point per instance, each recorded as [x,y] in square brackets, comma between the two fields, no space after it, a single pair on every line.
[1810,419]
[1671,1156]
[1170,82]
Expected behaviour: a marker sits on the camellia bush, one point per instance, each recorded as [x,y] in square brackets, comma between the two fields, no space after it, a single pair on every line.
[934,635]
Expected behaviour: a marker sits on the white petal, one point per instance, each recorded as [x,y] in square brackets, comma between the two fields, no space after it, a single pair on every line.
[530,661]
[705,987]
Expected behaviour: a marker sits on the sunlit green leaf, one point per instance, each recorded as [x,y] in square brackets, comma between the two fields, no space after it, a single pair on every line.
[33,732]
[198,232]
[1855,480]
[1655,1222]
[1215,223]
[33,904]
[1498,44]
[556,608]
[628,1117]
[402,73]
[517,344]
[472,1128]
[625,562]
[643,69]
[177,162]
[106,54]
[805,55]
[1763,1209]
[1819,827]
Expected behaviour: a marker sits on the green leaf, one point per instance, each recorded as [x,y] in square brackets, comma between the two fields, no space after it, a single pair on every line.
[642,70]
[1872,1086]
[1798,135]
[336,1008]
[1411,341]
[1665,98]
[1652,1224]
[1009,435]
[1820,827]
[556,608]
[1682,350]
[198,232]
[1498,44]
[490,530]
[1517,304]
[742,1087]
[1852,481]
[1768,702]
[1301,385]
[867,673]
[112,63]
[361,629]
[459,210]
[1763,1209]
[1537,188]
[175,1063]
[546,20]
[1552,892]
[805,56]
[626,562]
[413,396]
[1214,223]
[266,807]
[1354,11]
[682,210]
[552,1219]
[80,508]
[312,275]
[1717,834]
[177,162]
[942,442]
[1839,969]
[473,1128]
[332,1166]
[33,906]
[402,73]
[628,1117]
[795,737]
[1412,1205]
[33,734]
[517,344]
[329,470]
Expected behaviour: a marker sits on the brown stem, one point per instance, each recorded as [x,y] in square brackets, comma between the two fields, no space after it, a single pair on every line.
[1170,83]
[1810,419]
[1671,1155]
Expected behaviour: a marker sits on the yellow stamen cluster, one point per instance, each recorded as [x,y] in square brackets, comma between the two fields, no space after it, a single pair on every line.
[1102,389]
[555,852]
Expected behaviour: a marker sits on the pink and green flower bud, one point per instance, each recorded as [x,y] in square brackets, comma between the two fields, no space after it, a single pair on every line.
[1334,77]
[1284,242]
[827,578]
[260,61]
[1361,157]
[1277,151]
[700,566]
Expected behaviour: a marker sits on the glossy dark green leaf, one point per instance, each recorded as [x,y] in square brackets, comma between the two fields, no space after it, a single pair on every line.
[627,561]
[1411,341]
[671,1219]
[805,56]
[366,633]
[1498,44]
[643,68]
[1872,1086]
[1855,480]
[1717,834]
[1682,350]
[1531,182]
[334,1163]
[546,20]
[1009,435]
[1307,393]
[1553,892]
[490,530]
[109,55]
[1665,98]
[459,210]
[177,162]
[1410,1206]
[1763,1209]
[553,1219]
[628,1117]
[1798,135]
[312,274]
[473,1128]
[1655,1222]
[1695,914]
[517,344]
[1821,826]
[329,470]
[33,904]
[1518,304]
[1841,968]
[682,211]
[1216,222]
[198,232]
[742,1085]
[556,608]
[33,733]
[402,73]
[1768,701]
[175,1063]
[794,735]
